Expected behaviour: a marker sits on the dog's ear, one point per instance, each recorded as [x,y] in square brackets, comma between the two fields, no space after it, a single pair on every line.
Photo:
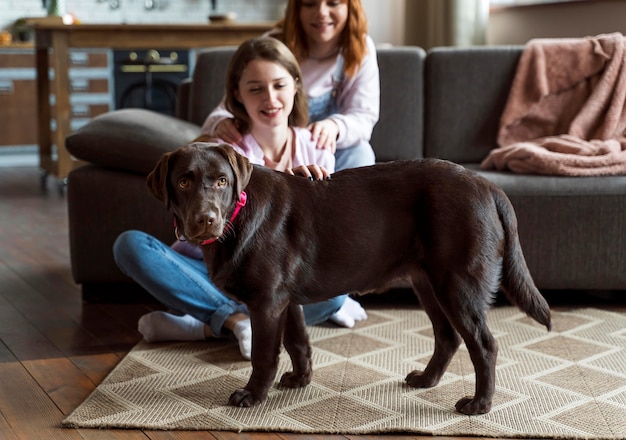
[242,168]
[157,180]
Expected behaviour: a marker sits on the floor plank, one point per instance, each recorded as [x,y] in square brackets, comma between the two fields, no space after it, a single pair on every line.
[27,408]
[5,430]
[120,434]
[253,436]
[181,435]
[97,366]
[62,381]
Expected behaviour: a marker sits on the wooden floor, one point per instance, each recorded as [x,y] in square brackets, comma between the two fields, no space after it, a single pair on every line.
[54,349]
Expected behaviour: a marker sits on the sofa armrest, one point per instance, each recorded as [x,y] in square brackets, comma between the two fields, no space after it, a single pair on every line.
[130,139]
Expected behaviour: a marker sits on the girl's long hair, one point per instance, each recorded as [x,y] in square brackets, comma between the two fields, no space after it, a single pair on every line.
[268,49]
[352,41]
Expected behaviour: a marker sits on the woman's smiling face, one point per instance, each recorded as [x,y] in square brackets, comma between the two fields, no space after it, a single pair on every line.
[323,21]
[267,91]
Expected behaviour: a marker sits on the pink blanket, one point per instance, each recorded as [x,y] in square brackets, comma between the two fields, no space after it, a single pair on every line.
[566,112]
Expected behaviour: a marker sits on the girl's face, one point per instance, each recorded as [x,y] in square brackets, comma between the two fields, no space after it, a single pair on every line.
[323,20]
[267,92]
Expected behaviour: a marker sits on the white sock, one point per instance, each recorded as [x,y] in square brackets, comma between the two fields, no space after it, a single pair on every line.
[349,312]
[162,326]
[243,333]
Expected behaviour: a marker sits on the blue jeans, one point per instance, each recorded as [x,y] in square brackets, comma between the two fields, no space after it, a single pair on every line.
[182,283]
[359,155]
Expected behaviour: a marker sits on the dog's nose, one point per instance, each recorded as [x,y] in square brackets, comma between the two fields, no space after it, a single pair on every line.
[207,218]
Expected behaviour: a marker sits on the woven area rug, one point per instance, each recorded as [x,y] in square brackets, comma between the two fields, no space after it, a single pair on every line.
[569,383]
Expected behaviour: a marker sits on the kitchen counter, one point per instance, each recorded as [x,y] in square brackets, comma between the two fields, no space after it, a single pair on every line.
[18,45]
[137,36]
[52,44]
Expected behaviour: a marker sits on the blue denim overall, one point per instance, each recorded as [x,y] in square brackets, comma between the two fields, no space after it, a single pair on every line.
[323,106]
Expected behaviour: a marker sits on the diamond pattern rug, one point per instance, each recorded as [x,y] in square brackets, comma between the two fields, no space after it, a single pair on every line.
[569,383]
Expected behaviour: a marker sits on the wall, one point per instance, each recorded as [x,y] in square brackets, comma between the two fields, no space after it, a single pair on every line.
[134,11]
[389,20]
[431,23]
[576,19]
[386,23]
[386,20]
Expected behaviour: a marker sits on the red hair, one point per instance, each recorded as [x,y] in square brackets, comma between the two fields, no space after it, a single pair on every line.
[353,37]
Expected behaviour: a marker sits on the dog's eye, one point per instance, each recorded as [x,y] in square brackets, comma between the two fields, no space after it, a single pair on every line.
[222,181]
[184,183]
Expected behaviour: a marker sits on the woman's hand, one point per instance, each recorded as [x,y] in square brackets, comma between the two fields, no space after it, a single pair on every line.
[324,133]
[313,172]
[227,131]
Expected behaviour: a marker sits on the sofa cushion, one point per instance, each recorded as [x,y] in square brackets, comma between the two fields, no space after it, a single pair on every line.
[553,186]
[571,228]
[130,139]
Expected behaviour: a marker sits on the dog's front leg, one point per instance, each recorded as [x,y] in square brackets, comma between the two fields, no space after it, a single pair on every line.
[267,332]
[297,344]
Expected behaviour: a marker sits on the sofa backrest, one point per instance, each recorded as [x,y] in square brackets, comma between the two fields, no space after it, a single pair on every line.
[465,93]
[208,82]
[399,131]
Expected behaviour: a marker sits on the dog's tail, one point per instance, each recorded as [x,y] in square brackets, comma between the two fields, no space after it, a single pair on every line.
[517,283]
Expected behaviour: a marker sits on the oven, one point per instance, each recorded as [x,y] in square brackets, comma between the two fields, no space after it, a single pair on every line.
[149,78]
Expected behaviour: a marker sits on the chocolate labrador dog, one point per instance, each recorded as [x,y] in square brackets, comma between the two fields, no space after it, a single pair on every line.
[276,241]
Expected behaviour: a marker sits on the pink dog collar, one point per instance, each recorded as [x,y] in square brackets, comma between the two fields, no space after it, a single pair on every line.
[243,198]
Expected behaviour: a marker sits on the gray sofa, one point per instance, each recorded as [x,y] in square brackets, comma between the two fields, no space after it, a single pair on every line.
[444,104]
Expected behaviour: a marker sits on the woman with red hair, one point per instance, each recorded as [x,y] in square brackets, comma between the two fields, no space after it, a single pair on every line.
[340,76]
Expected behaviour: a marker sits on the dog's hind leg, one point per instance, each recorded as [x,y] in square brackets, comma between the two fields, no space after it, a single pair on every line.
[447,340]
[457,308]
[465,302]
[483,351]
[296,341]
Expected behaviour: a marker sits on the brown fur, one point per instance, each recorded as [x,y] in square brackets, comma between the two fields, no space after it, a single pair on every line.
[449,232]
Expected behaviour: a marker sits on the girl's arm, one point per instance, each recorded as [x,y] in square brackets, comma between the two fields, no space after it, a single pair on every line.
[226,130]
[359,102]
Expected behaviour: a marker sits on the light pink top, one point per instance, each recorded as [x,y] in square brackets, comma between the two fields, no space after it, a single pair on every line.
[305,151]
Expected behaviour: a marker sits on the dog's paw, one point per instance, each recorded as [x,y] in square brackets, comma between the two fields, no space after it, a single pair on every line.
[243,398]
[292,380]
[471,406]
[417,379]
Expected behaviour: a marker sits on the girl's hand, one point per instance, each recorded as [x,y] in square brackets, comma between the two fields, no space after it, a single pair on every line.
[313,172]
[325,133]
[228,132]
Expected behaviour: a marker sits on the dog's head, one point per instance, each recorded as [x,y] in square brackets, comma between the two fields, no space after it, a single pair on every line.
[200,184]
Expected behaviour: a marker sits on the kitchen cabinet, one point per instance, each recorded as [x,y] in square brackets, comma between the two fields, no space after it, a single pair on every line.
[90,92]
[53,43]
[18,98]
[90,86]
